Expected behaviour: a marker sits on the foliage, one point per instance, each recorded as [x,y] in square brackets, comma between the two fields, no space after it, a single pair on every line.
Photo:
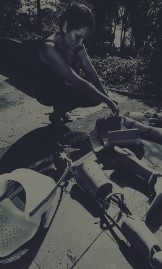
[123,74]
[152,48]
[143,17]
[8,13]
[19,25]
[153,25]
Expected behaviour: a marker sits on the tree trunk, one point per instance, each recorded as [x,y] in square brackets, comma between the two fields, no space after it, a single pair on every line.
[121,37]
[39,15]
[115,24]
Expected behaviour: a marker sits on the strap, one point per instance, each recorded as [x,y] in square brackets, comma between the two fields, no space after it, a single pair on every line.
[49,40]
[118,200]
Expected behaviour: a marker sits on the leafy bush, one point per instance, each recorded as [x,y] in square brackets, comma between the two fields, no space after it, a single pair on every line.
[16,24]
[124,74]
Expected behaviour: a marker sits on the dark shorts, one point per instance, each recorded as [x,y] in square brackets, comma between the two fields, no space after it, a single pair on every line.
[51,90]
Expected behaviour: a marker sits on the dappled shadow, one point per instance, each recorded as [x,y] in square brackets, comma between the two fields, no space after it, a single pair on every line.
[41,143]
[18,63]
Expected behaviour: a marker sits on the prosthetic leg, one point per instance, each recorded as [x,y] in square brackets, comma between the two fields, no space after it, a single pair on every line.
[91,177]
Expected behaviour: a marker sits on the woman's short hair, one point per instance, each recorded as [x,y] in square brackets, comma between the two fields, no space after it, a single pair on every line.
[78,16]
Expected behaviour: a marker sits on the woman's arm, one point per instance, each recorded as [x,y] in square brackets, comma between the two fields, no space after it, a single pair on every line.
[90,71]
[52,57]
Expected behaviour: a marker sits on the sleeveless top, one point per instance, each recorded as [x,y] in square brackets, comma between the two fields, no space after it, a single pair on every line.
[46,77]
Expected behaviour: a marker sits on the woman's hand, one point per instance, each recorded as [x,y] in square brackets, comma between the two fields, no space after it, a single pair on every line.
[114,107]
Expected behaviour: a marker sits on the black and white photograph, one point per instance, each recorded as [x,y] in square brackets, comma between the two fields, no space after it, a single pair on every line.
[80,134]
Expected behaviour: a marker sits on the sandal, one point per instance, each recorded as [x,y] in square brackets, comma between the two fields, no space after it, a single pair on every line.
[65,117]
[59,118]
[55,119]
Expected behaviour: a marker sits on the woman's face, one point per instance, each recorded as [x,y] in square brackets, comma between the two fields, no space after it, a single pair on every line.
[74,38]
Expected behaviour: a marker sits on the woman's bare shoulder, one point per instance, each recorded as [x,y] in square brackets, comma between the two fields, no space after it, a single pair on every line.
[50,41]
[47,48]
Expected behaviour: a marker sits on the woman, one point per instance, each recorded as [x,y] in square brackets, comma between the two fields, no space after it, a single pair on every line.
[58,82]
